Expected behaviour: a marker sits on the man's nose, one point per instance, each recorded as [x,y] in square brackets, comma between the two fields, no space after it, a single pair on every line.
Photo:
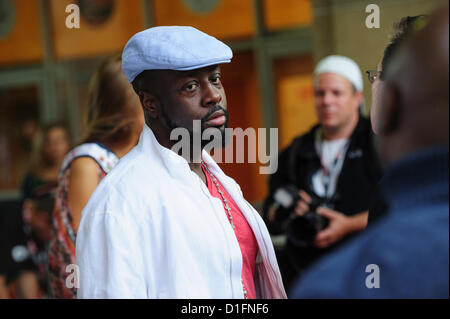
[211,95]
[327,98]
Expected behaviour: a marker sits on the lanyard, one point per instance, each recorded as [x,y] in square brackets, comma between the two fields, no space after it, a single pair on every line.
[327,172]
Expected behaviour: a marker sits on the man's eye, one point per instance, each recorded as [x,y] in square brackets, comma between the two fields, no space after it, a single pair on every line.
[190,87]
[215,79]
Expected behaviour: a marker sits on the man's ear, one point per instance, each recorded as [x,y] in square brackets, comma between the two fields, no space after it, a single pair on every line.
[359,99]
[150,103]
[391,103]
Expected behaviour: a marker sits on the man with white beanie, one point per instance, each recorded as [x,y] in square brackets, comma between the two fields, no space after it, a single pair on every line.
[321,193]
[166,223]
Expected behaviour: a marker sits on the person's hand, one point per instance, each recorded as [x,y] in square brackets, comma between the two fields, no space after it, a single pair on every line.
[302,206]
[339,226]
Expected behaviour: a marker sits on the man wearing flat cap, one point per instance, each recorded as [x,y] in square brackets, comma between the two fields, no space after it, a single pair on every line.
[164,224]
[332,170]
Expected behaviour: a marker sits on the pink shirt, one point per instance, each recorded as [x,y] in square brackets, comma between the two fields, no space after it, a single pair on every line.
[246,238]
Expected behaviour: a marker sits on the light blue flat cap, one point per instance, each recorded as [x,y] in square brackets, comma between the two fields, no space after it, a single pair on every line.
[172,48]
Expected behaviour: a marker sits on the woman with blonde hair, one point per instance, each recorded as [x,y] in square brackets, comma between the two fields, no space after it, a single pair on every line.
[114,122]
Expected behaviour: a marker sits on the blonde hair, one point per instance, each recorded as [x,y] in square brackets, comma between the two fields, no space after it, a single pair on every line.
[107,119]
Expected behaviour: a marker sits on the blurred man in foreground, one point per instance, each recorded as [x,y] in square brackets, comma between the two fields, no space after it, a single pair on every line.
[406,254]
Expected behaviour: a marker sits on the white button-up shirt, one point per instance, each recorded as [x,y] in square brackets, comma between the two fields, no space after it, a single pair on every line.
[151,229]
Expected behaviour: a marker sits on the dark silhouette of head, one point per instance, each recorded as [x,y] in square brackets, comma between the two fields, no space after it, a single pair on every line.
[415,99]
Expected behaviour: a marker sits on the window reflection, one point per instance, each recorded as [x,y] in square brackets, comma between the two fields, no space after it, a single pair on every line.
[96,12]
[19,133]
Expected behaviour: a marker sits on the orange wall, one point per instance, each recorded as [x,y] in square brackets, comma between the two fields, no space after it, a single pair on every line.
[230,19]
[280,14]
[241,86]
[24,43]
[295,97]
[88,40]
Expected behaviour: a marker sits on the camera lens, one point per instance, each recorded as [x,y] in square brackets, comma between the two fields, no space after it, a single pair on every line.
[302,230]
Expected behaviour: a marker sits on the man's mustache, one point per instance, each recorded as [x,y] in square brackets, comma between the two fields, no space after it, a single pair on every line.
[212,111]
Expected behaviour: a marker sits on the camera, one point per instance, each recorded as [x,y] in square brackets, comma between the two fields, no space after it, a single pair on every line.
[301,230]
